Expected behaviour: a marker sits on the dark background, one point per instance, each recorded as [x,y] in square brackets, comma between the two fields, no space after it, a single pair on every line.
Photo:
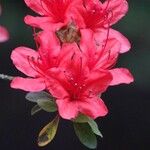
[126,127]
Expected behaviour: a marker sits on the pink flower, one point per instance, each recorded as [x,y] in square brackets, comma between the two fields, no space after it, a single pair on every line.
[3,32]
[54,13]
[105,56]
[75,88]
[98,17]
[69,74]
[62,16]
[95,14]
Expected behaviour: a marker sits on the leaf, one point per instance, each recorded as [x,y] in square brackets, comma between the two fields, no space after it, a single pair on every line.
[94,127]
[84,119]
[35,109]
[47,105]
[85,135]
[81,119]
[34,96]
[48,132]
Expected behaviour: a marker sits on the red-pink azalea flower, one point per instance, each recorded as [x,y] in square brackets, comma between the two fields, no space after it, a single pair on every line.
[54,13]
[3,32]
[69,73]
[98,17]
[65,74]
[105,56]
[83,14]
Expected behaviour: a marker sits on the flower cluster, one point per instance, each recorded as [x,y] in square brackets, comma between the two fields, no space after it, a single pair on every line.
[76,53]
[3,32]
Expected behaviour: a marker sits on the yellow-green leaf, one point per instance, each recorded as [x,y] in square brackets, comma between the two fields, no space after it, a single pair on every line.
[48,132]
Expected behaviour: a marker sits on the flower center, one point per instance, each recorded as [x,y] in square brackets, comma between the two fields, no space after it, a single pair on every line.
[69,34]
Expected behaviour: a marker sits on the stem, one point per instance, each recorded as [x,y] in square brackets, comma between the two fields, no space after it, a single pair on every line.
[6,77]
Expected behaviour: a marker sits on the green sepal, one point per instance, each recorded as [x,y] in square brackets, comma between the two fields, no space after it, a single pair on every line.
[36,108]
[81,119]
[35,96]
[94,127]
[44,100]
[85,119]
[47,105]
[48,133]
[85,135]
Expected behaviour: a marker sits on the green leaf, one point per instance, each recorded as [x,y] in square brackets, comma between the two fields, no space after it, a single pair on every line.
[35,109]
[47,105]
[35,96]
[85,135]
[84,119]
[48,132]
[81,119]
[94,127]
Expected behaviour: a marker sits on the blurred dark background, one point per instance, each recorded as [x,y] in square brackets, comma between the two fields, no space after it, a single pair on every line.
[126,127]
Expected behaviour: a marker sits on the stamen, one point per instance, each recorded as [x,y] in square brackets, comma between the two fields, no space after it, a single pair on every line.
[34,35]
[69,34]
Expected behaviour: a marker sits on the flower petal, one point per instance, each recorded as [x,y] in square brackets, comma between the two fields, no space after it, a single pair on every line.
[117,9]
[36,6]
[20,56]
[44,23]
[98,81]
[125,44]
[67,109]
[49,44]
[3,34]
[92,107]
[28,84]
[121,75]
[55,87]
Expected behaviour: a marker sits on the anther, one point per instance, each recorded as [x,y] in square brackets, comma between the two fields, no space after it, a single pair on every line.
[71,79]
[76,84]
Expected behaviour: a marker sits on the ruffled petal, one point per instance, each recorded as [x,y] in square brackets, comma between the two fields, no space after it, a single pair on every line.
[117,9]
[121,75]
[67,109]
[28,84]
[3,34]
[20,57]
[92,107]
